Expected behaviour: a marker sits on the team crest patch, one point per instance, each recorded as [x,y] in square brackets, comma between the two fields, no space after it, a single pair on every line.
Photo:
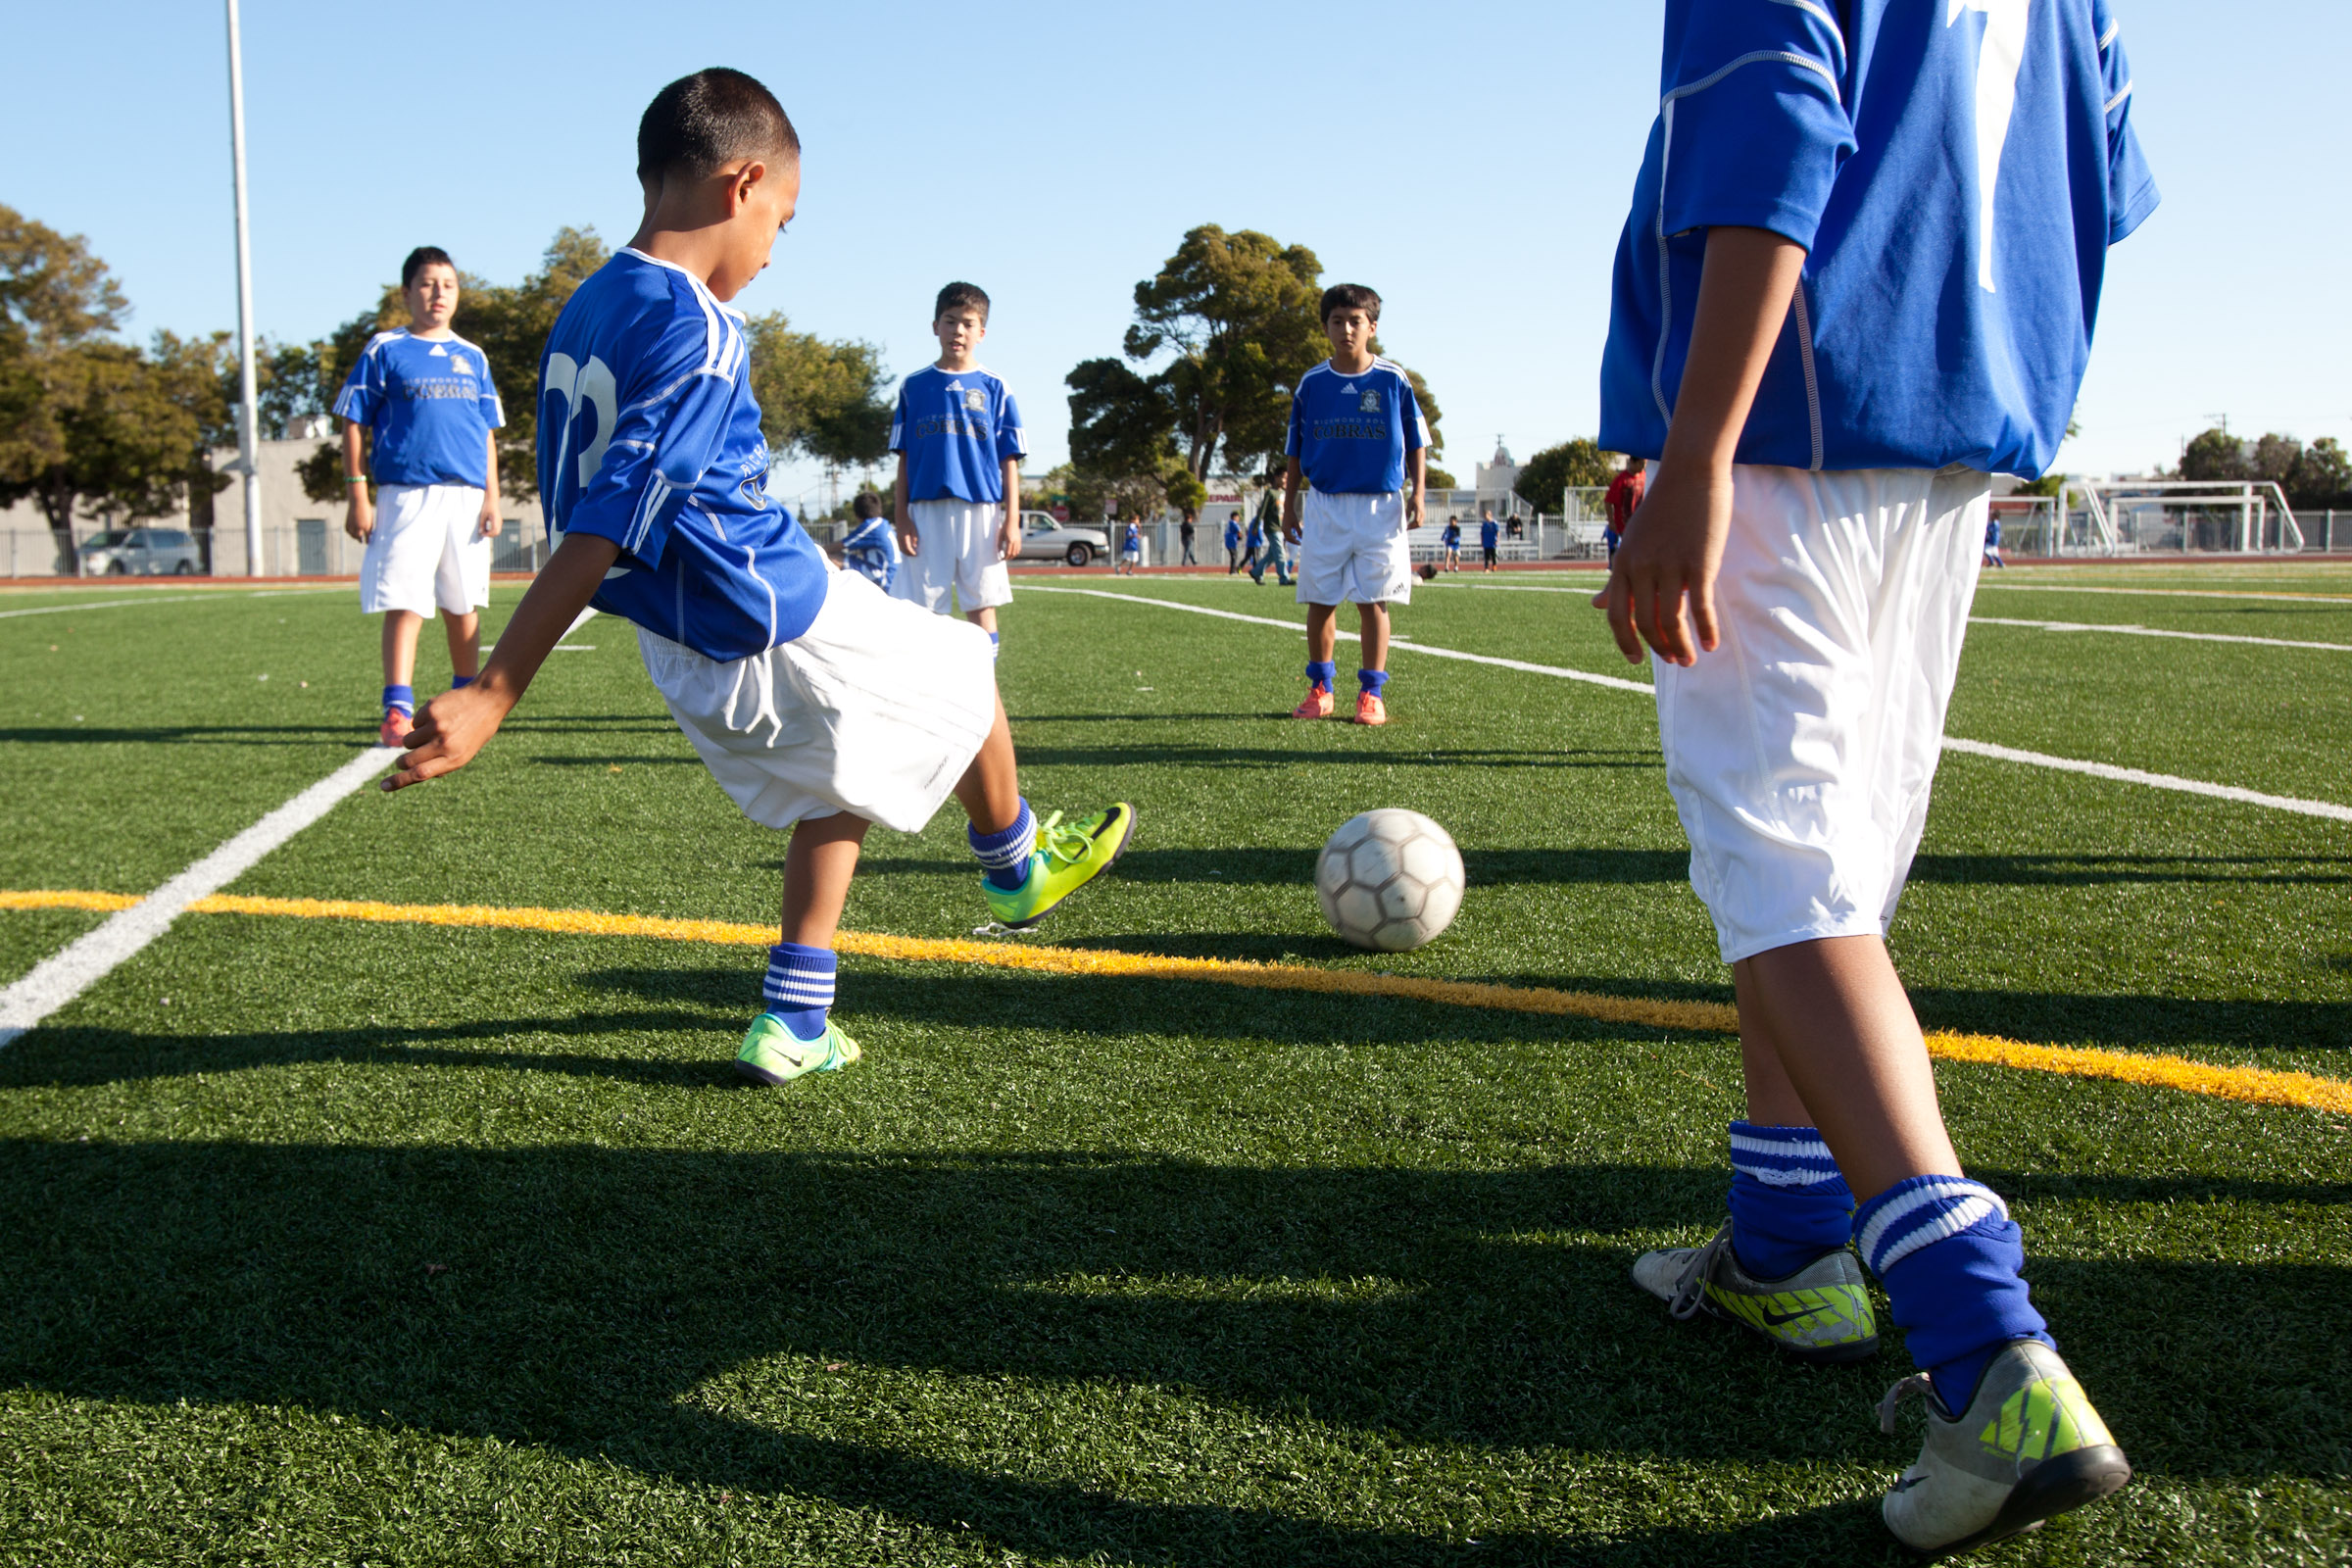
[976,400]
[1371,400]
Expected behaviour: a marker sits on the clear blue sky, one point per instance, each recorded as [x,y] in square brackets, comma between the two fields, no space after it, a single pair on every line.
[1472,161]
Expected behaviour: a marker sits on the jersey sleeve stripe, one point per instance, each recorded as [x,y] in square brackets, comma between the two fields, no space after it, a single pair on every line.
[2115,102]
[2115,25]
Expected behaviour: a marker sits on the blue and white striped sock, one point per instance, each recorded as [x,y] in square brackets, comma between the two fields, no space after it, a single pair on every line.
[1948,1253]
[1004,855]
[1788,1203]
[799,988]
[401,700]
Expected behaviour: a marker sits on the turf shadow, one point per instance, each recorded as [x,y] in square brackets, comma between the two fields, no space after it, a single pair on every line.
[351,736]
[2101,871]
[85,1057]
[1164,755]
[588,1299]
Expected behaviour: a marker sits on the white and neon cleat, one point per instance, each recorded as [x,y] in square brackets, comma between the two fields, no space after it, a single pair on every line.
[1822,1312]
[773,1054]
[2029,1446]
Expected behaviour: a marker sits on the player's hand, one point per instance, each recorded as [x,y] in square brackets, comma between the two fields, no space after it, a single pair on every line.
[449,730]
[360,521]
[903,527]
[1008,539]
[490,521]
[1416,511]
[1661,588]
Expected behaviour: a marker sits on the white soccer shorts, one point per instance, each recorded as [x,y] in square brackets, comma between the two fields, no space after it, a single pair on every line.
[1800,753]
[876,710]
[957,548]
[426,549]
[1351,551]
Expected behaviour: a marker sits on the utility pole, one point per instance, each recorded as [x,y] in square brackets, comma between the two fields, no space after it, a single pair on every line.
[248,413]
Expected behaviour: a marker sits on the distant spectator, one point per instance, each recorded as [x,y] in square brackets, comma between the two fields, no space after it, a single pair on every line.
[1624,496]
[1233,543]
[1183,537]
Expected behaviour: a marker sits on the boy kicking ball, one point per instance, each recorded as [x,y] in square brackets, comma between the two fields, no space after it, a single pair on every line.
[1859,279]
[818,702]
[1357,437]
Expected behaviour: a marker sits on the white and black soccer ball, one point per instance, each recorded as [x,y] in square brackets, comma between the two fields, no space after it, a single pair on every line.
[1390,880]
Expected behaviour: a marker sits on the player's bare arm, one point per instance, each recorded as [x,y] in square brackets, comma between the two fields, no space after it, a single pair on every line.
[1671,560]
[901,515]
[360,521]
[1009,531]
[455,725]
[1416,492]
[490,518]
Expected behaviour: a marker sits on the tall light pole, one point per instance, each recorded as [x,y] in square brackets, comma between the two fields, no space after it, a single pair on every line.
[248,416]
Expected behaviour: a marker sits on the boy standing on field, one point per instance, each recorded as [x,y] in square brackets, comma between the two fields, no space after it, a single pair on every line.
[1859,279]
[1358,438]
[1451,539]
[819,703]
[870,547]
[424,394]
[1489,535]
[959,437]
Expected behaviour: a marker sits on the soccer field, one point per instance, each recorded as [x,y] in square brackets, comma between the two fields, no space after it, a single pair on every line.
[341,1228]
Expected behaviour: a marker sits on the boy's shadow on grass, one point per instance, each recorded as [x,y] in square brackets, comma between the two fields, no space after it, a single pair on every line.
[634,1304]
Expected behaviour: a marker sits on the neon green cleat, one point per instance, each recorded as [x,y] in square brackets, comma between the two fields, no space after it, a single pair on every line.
[773,1054]
[2029,1446]
[1822,1312]
[1068,857]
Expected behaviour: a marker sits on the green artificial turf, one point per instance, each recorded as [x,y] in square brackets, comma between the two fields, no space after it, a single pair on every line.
[341,1243]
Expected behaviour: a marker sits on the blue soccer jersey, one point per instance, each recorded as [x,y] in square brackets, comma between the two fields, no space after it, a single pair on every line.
[1955,170]
[648,436]
[430,405]
[1453,535]
[1489,531]
[1350,433]
[872,548]
[957,429]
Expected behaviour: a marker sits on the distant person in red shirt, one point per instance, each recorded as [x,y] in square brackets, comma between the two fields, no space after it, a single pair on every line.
[1625,494]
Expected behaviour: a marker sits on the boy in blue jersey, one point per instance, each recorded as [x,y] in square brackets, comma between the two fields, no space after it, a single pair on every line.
[1992,543]
[1489,538]
[1131,546]
[871,546]
[1359,439]
[424,395]
[1864,258]
[1451,539]
[1233,544]
[819,703]
[959,437]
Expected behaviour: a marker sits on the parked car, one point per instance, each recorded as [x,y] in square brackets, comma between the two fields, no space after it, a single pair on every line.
[142,553]
[1045,539]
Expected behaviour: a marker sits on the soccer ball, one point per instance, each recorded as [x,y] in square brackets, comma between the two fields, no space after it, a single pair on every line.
[1390,880]
[1428,571]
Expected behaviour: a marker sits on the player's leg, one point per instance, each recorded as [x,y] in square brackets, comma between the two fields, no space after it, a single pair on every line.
[1030,867]
[794,1033]
[1322,640]
[396,581]
[1380,573]
[927,577]
[1372,672]
[462,580]
[399,643]
[982,581]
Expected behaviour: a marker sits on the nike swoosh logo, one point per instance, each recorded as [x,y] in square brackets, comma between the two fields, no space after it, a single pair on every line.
[1774,1319]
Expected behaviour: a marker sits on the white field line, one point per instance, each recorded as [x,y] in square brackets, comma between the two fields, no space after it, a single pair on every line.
[2006,754]
[73,969]
[2154,631]
[1612,681]
[2159,781]
[2161,593]
[104,603]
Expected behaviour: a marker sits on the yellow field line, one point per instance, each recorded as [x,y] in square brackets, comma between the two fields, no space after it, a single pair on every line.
[2262,1086]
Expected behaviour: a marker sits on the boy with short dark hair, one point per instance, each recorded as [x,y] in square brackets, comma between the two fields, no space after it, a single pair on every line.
[1357,437]
[1489,535]
[424,394]
[1233,543]
[958,434]
[1864,258]
[871,546]
[818,702]
[1451,539]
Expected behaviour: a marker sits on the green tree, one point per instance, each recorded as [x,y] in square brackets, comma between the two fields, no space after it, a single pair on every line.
[817,396]
[2212,453]
[91,421]
[1237,311]
[1186,492]
[2325,475]
[1579,463]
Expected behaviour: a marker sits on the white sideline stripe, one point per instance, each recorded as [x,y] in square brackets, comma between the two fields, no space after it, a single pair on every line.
[2163,593]
[1612,681]
[2158,781]
[104,603]
[2154,631]
[2006,754]
[73,969]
